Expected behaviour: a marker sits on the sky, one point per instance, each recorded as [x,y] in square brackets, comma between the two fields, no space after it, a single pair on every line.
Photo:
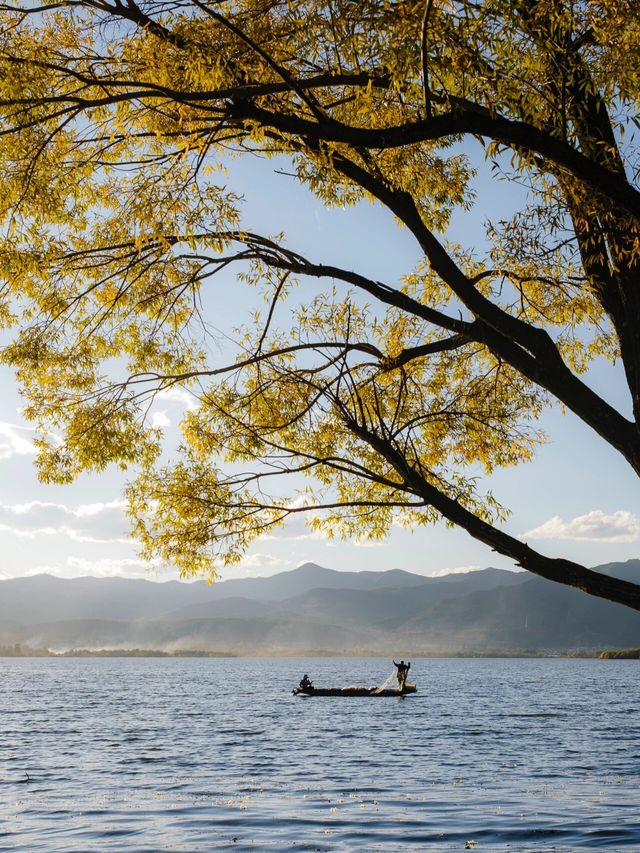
[578,499]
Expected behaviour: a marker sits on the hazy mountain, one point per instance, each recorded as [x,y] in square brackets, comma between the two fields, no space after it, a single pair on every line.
[317,608]
[311,576]
[44,598]
[537,614]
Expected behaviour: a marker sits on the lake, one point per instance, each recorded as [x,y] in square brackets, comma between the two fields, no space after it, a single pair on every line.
[168,754]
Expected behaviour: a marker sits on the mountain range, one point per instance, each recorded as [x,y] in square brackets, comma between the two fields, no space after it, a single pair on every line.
[314,609]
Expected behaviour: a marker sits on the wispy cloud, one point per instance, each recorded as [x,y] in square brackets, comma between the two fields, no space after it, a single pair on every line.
[159,420]
[296,528]
[108,567]
[262,561]
[15,441]
[73,567]
[178,395]
[255,565]
[456,570]
[95,522]
[595,526]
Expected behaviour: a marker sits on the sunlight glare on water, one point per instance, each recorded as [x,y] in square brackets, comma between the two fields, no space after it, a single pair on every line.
[201,754]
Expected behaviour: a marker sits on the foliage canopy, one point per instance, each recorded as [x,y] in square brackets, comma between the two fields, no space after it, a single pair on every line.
[117,118]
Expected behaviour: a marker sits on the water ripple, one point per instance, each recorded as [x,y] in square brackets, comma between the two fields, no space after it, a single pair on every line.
[144,755]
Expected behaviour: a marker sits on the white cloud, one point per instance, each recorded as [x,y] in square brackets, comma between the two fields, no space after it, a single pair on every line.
[255,565]
[178,395]
[261,561]
[457,570]
[595,526]
[108,567]
[296,528]
[13,442]
[159,420]
[95,522]
[75,567]
[311,536]
[89,510]
[288,536]
[370,543]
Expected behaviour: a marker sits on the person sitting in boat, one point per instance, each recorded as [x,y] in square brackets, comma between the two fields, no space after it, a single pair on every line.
[403,670]
[306,683]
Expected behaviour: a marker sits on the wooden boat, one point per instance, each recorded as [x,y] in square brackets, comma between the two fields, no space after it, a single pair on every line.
[354,691]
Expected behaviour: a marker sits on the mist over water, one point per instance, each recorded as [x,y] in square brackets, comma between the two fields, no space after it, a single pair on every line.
[203,754]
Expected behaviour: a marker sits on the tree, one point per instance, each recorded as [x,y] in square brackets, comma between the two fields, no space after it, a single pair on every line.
[117,117]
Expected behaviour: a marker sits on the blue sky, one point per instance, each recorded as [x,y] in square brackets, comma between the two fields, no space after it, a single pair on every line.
[577,499]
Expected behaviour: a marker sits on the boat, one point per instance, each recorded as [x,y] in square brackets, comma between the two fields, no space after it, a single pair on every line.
[354,691]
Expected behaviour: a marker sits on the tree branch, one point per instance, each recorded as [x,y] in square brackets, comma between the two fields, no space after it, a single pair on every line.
[466,118]
[558,570]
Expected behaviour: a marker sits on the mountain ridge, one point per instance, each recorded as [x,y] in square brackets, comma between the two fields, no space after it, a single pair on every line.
[315,607]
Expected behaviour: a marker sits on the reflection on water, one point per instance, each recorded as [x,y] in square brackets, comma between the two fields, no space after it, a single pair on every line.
[203,754]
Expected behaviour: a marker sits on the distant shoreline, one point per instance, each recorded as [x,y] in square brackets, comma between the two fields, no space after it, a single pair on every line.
[18,651]
[23,651]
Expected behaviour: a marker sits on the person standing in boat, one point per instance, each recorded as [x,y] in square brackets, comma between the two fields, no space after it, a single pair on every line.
[403,670]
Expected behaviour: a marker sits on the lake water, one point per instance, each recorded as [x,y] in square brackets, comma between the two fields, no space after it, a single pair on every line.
[206,754]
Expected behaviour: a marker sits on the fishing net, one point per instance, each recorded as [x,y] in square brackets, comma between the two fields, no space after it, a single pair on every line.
[391,682]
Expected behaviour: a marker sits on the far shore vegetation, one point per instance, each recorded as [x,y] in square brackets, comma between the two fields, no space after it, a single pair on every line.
[620,654]
[22,650]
